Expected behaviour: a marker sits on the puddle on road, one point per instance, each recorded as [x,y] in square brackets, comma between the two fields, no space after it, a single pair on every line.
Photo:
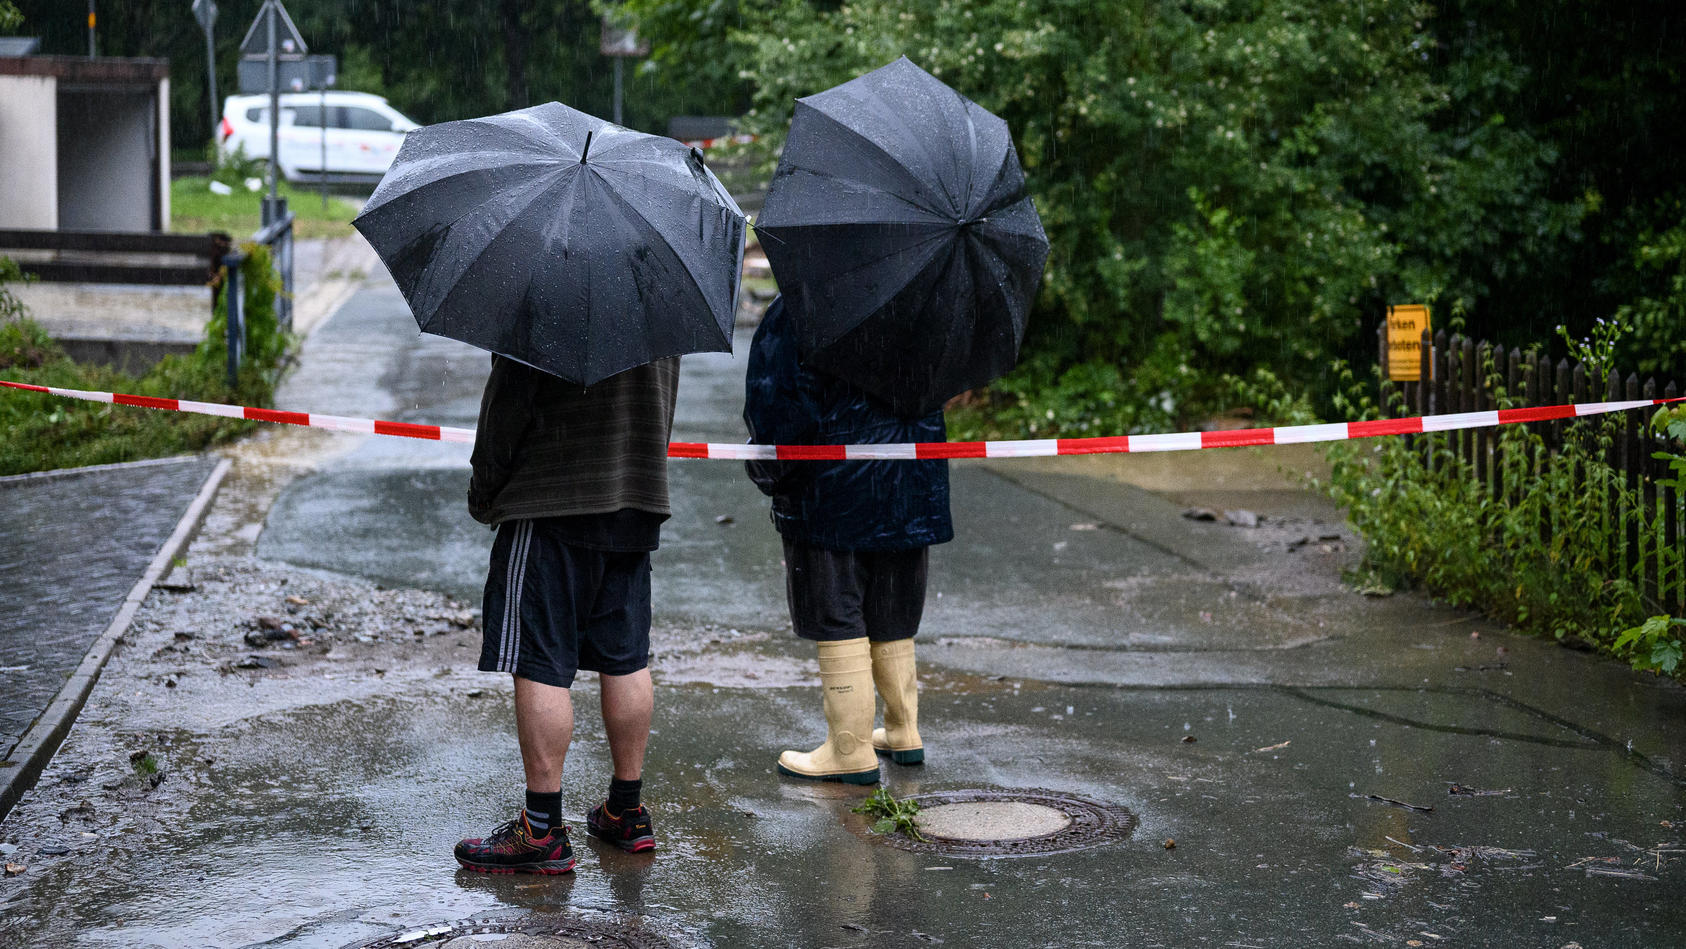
[264,464]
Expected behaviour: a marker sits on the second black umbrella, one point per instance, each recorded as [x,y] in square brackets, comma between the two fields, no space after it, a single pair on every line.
[899,232]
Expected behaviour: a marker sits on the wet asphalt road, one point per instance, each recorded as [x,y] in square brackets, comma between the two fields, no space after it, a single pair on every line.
[1084,633]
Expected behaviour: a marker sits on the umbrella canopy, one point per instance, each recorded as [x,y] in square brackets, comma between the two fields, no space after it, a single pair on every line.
[553,237]
[900,235]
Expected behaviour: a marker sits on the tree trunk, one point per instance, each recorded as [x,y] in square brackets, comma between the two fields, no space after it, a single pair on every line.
[514,54]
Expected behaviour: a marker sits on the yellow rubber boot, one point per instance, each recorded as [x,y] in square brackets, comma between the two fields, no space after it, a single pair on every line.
[847,755]
[894,673]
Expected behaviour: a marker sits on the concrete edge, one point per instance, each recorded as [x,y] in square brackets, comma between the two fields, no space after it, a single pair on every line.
[29,758]
[30,476]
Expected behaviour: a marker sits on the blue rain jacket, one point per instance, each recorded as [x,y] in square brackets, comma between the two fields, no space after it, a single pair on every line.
[838,505]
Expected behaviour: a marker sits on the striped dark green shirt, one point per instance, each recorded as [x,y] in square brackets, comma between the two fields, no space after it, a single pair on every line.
[546,447]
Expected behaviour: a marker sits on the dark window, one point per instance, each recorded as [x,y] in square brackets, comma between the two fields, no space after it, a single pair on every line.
[309,116]
[367,120]
[255,114]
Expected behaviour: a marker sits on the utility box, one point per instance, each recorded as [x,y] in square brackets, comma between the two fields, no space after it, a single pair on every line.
[87,143]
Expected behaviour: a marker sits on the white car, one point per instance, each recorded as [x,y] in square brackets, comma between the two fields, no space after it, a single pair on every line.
[357,142]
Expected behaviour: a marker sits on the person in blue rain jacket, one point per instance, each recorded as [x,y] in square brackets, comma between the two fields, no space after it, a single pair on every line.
[857,536]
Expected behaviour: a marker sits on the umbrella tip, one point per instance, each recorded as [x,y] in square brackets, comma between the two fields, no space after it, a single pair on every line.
[587,149]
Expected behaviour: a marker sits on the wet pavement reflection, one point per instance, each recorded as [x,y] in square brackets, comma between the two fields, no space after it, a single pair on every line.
[1308,766]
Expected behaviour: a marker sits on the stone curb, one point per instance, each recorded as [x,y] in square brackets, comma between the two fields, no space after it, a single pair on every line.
[21,769]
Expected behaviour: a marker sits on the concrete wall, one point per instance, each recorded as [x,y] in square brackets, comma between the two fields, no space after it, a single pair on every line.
[29,152]
[108,141]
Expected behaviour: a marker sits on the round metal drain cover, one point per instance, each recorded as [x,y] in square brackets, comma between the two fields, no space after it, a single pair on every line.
[1011,823]
[523,932]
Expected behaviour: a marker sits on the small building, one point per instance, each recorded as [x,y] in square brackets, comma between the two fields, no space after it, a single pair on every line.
[84,143]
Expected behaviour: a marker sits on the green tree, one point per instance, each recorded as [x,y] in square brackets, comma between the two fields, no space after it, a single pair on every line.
[1224,183]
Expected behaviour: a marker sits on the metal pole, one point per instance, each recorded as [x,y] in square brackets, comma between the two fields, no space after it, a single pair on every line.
[274,108]
[92,51]
[211,82]
[322,174]
[618,90]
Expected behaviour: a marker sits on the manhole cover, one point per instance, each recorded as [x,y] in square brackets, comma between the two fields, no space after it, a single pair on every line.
[523,932]
[1002,823]
[991,820]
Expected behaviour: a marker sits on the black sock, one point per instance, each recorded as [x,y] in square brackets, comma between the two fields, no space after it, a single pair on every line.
[623,796]
[544,811]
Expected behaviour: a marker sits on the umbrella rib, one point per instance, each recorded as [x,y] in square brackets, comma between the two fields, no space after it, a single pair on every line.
[876,260]
[537,191]
[523,125]
[410,191]
[680,190]
[876,189]
[633,210]
[908,172]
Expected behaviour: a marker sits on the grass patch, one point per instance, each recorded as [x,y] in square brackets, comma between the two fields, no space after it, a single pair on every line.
[196,209]
[41,432]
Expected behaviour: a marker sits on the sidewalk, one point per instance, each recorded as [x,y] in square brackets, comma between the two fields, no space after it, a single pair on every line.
[1296,764]
[83,542]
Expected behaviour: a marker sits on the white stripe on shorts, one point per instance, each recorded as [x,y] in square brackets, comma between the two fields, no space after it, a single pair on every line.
[509,645]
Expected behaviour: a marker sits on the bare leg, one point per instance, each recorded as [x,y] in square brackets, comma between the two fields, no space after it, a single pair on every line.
[544,724]
[628,703]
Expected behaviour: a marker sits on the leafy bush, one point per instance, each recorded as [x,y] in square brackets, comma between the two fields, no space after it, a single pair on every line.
[1224,185]
[1539,556]
[233,168]
[40,432]
[1657,319]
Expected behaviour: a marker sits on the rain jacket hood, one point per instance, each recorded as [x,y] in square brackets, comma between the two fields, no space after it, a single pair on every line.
[838,505]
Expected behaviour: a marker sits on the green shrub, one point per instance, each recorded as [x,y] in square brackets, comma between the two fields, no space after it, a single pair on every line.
[1542,555]
[40,432]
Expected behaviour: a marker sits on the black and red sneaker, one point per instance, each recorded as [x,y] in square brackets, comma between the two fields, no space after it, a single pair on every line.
[630,831]
[513,848]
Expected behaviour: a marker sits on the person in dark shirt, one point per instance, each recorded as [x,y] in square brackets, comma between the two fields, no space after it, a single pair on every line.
[575,481]
[856,540]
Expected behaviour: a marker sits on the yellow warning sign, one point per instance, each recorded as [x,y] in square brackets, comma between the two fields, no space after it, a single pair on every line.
[1405,326]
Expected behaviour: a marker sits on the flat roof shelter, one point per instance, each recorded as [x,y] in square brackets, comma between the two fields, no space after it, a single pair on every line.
[84,143]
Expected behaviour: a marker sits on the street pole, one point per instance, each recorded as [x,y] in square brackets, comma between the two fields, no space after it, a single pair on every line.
[322,170]
[274,113]
[211,84]
[92,52]
[618,91]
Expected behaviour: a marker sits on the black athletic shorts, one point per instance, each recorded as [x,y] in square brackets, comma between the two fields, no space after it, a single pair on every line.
[847,594]
[553,608]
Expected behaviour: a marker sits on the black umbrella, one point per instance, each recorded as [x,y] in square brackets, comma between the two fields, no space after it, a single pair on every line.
[561,240]
[900,235]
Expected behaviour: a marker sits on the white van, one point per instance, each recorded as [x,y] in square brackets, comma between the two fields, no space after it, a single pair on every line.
[360,136]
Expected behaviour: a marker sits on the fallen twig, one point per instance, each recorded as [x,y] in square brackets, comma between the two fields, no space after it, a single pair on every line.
[1464,791]
[1389,800]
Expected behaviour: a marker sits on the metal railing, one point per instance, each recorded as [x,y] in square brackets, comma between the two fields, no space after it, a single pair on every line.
[277,234]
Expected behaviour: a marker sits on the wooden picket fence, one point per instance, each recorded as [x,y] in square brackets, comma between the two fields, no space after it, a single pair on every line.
[1459,374]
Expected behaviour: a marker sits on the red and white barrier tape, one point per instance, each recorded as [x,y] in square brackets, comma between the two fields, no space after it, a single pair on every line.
[706,143]
[1026,448]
